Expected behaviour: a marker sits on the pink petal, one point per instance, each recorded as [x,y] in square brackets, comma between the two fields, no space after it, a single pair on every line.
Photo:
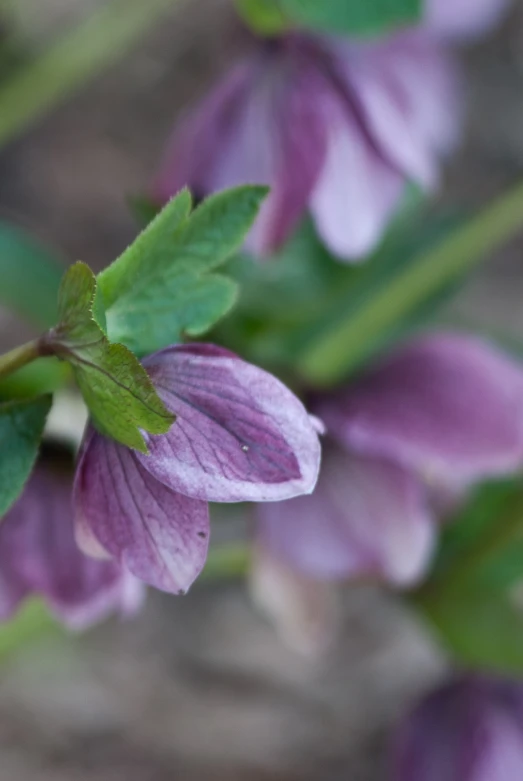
[249,130]
[468,730]
[38,556]
[463,18]
[196,146]
[357,191]
[158,535]
[240,434]
[367,517]
[449,407]
[408,90]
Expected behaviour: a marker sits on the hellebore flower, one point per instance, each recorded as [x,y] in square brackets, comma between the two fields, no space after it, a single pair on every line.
[39,556]
[440,413]
[240,435]
[332,126]
[463,18]
[468,730]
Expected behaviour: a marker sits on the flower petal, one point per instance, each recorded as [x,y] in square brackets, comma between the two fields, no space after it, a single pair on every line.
[195,149]
[240,434]
[407,89]
[38,555]
[367,517]
[463,18]
[160,536]
[357,191]
[467,730]
[448,406]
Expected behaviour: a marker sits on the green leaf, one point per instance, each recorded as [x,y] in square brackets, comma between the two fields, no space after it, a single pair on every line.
[163,287]
[116,388]
[473,597]
[21,427]
[356,17]
[480,629]
[29,276]
[352,333]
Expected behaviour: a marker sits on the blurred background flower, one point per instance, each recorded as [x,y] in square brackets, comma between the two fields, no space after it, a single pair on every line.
[470,729]
[39,556]
[405,439]
[335,127]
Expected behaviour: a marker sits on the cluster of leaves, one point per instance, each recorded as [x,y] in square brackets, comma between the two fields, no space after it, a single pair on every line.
[160,290]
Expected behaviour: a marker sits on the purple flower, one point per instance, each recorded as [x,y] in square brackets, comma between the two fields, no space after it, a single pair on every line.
[240,435]
[439,414]
[332,126]
[468,730]
[39,556]
[463,18]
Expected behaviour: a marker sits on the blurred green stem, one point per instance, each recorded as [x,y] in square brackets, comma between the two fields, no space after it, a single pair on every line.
[225,562]
[20,356]
[104,37]
[330,356]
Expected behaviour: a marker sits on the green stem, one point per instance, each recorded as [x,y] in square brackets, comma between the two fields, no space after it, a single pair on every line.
[18,357]
[225,562]
[329,357]
[104,37]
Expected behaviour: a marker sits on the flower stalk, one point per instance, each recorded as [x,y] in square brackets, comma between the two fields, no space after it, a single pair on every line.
[13,360]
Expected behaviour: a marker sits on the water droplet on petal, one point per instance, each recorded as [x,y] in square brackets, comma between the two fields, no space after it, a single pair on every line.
[245,448]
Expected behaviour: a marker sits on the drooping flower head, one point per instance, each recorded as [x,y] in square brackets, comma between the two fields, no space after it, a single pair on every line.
[239,435]
[39,555]
[440,413]
[463,18]
[334,127]
[468,730]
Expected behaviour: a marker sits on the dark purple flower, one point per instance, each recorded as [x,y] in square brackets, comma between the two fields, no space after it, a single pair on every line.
[240,435]
[440,413]
[332,126]
[39,556]
[468,730]
[463,18]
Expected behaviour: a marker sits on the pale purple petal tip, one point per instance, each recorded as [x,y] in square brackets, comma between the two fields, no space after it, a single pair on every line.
[240,434]
[156,534]
[468,730]
[38,556]
[449,407]
[366,518]
[464,18]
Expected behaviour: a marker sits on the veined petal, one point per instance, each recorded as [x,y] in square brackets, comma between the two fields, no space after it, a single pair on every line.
[357,191]
[367,517]
[240,434]
[158,535]
[449,407]
[269,146]
[38,556]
